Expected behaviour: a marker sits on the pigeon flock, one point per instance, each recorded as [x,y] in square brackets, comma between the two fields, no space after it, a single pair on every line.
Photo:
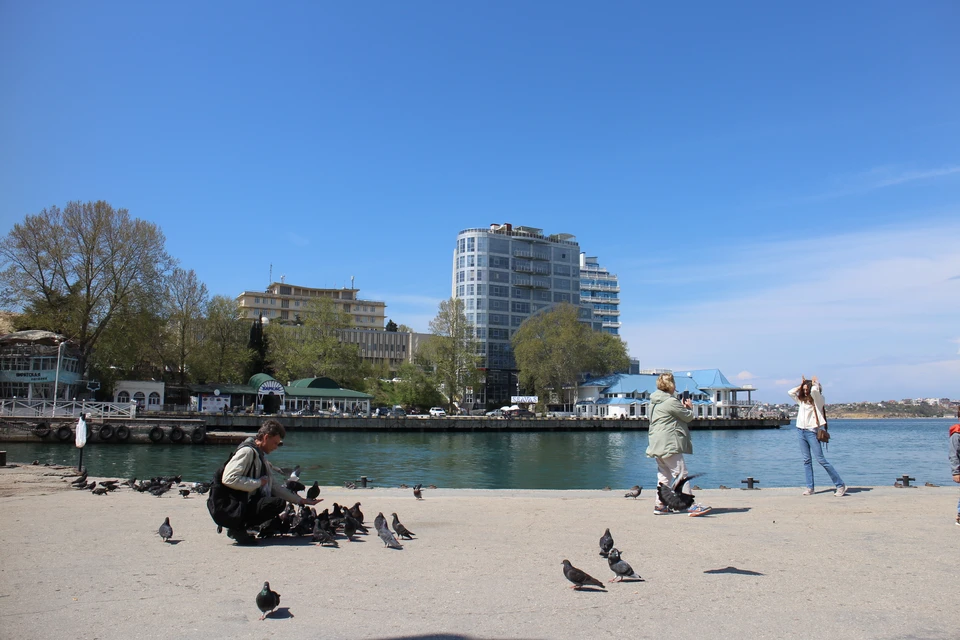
[620,567]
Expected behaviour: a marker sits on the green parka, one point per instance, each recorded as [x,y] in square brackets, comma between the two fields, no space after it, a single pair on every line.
[668,426]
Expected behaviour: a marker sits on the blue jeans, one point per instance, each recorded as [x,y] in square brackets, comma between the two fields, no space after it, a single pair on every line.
[809,447]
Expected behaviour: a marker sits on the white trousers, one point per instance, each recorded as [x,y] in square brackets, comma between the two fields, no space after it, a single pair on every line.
[669,468]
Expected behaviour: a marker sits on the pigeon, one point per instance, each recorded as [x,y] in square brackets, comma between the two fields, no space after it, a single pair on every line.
[673,497]
[634,492]
[606,543]
[323,536]
[431,486]
[313,491]
[388,539]
[267,600]
[620,567]
[295,486]
[403,486]
[81,480]
[356,513]
[184,492]
[417,493]
[349,528]
[99,491]
[379,522]
[578,577]
[401,530]
[166,531]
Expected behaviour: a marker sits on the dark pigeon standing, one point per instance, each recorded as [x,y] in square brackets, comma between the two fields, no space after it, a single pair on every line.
[401,530]
[417,493]
[99,491]
[322,536]
[184,492]
[379,522]
[356,513]
[166,531]
[634,492]
[82,480]
[267,600]
[620,567]
[313,491]
[349,528]
[606,543]
[578,577]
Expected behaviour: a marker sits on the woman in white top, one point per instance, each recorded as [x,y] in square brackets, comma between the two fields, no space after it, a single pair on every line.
[810,419]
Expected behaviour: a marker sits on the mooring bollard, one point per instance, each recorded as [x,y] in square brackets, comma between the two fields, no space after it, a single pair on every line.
[363,481]
[905,479]
[749,482]
[3,458]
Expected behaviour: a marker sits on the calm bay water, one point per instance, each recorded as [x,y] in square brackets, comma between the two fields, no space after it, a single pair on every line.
[864,452]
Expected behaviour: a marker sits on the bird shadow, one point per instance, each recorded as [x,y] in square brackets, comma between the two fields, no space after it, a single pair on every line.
[735,571]
[722,510]
[172,541]
[858,490]
[282,613]
[590,590]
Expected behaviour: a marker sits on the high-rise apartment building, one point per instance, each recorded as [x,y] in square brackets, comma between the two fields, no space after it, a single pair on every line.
[285,303]
[504,274]
[600,292]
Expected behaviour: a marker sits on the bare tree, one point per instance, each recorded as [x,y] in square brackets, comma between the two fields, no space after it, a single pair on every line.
[186,299]
[71,270]
[453,349]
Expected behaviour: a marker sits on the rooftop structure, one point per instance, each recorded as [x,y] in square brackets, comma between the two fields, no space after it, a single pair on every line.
[285,303]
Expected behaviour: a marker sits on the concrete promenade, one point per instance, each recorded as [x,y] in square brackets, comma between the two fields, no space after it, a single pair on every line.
[878,563]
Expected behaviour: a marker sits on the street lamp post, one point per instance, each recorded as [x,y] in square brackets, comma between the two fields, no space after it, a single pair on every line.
[56,379]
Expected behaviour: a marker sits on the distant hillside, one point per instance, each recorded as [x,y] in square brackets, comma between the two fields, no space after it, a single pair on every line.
[889,410]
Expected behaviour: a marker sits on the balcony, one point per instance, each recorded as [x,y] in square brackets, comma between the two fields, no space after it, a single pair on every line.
[611,324]
[533,283]
[531,255]
[606,312]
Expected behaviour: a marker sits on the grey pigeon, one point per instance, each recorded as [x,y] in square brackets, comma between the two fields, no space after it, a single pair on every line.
[388,538]
[634,492]
[99,491]
[313,491]
[379,522]
[184,492]
[322,536]
[166,531]
[606,543]
[267,600]
[417,493]
[620,567]
[578,577]
[401,530]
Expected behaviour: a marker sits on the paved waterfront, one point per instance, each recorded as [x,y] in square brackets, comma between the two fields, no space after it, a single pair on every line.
[878,563]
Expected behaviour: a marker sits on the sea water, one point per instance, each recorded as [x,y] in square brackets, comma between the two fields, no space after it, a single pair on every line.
[864,452]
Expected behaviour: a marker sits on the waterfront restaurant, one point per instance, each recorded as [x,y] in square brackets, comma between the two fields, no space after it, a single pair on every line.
[625,395]
[38,365]
[264,394]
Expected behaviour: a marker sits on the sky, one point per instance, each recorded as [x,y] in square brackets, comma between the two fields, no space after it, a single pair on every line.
[777,187]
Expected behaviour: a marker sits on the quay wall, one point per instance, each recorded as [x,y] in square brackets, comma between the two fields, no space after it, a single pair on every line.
[194,429]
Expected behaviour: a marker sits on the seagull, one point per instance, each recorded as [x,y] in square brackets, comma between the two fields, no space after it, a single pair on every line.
[295,474]
[417,493]
[620,567]
[267,600]
[606,543]
[313,491]
[634,492]
[578,577]
[166,531]
[401,530]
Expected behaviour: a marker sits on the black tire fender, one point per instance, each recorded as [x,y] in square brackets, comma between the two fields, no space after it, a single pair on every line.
[156,434]
[64,433]
[123,433]
[176,434]
[199,435]
[106,432]
[42,430]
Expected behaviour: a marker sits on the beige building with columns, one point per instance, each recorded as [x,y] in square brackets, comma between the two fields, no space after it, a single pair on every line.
[283,302]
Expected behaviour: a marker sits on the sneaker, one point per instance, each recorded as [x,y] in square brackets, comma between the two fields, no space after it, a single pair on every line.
[958,519]
[698,510]
[242,538]
[807,492]
[841,491]
[663,510]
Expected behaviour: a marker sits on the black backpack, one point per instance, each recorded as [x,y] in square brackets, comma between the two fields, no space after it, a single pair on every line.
[227,506]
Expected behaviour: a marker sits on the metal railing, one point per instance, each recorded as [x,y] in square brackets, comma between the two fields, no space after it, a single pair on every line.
[66,408]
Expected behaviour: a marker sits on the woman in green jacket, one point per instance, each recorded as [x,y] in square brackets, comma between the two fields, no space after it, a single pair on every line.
[670,439]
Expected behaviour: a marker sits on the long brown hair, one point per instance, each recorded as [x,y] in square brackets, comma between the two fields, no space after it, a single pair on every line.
[803,394]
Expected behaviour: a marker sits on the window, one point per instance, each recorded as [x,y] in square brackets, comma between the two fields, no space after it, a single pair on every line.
[154,399]
[499,305]
[481,261]
[498,291]
[499,276]
[499,263]
[470,290]
[471,260]
[256,300]
[521,307]
[480,289]
[499,318]
[516,321]
[561,297]
[123,396]
[499,245]
[470,242]
[523,294]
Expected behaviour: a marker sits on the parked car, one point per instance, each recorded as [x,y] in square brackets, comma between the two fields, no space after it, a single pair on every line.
[396,413]
[437,411]
[496,413]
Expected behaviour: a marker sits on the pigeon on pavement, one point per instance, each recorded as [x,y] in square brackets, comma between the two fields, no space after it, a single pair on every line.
[674,497]
[166,531]
[267,600]
[634,492]
[620,567]
[578,577]
[401,530]
[417,493]
[606,543]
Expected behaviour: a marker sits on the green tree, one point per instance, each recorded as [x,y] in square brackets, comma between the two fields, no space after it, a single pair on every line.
[405,329]
[453,350]
[313,348]
[391,326]
[259,345]
[223,354]
[417,387]
[74,270]
[553,348]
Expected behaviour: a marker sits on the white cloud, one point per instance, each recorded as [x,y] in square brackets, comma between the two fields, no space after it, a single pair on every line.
[745,375]
[866,307]
[881,178]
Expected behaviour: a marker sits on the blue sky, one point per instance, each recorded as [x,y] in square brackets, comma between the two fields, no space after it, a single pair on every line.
[777,187]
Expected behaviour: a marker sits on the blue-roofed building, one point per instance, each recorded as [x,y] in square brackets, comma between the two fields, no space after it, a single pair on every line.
[625,395]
